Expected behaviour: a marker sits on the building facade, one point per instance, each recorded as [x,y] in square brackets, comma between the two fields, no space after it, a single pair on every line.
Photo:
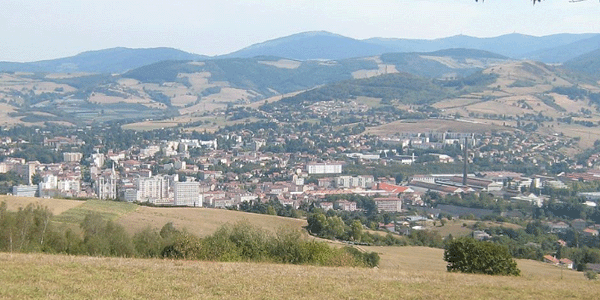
[324,168]
[187,194]
[389,204]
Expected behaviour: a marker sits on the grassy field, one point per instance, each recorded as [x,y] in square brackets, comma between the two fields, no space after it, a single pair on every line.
[5,118]
[110,210]
[456,228]
[200,221]
[404,272]
[418,273]
[56,206]
[283,63]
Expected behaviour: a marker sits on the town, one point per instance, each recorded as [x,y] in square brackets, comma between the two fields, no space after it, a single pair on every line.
[300,149]
[414,179]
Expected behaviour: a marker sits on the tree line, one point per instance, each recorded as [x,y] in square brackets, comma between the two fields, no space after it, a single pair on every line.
[31,229]
[334,227]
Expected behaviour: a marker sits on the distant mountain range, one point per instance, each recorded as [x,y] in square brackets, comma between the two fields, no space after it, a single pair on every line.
[313,45]
[320,45]
[113,60]
[325,45]
[517,46]
[567,52]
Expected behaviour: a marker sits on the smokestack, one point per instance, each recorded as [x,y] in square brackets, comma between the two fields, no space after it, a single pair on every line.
[466,161]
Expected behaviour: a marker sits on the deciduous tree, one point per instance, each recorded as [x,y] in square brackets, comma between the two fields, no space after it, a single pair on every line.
[468,255]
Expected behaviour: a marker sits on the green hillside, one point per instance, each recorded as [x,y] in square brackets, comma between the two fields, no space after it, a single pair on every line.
[403,87]
[255,73]
[588,64]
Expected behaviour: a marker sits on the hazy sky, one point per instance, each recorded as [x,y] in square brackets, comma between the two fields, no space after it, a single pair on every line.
[45,29]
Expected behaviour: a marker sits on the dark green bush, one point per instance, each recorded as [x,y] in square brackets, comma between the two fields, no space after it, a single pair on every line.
[468,255]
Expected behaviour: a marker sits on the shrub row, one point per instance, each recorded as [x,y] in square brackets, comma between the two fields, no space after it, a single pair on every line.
[30,230]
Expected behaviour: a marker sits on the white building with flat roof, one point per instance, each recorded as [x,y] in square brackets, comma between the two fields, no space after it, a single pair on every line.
[132,195]
[324,168]
[187,194]
[362,181]
[153,188]
[25,190]
[72,156]
[389,204]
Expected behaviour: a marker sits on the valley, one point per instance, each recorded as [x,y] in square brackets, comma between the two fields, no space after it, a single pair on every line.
[357,164]
[300,149]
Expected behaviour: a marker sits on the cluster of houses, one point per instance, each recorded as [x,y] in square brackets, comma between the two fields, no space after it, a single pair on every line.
[135,176]
[165,173]
[562,262]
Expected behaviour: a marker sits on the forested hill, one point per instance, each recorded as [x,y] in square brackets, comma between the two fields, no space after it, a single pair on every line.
[588,64]
[311,46]
[265,75]
[326,45]
[271,75]
[563,53]
[404,87]
[113,60]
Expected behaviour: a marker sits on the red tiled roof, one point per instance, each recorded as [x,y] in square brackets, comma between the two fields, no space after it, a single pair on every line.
[551,259]
[392,188]
[566,261]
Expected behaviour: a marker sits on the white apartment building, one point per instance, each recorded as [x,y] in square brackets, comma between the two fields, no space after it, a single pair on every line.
[389,204]
[132,195]
[324,168]
[4,167]
[187,194]
[153,188]
[52,185]
[98,159]
[245,197]
[69,185]
[49,182]
[72,156]
[149,151]
[352,182]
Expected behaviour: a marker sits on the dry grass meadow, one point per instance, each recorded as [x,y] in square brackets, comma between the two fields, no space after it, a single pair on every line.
[200,221]
[283,63]
[404,272]
[56,206]
[5,118]
[417,273]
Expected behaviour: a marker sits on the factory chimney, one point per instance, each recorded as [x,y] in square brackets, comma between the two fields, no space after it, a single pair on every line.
[466,161]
